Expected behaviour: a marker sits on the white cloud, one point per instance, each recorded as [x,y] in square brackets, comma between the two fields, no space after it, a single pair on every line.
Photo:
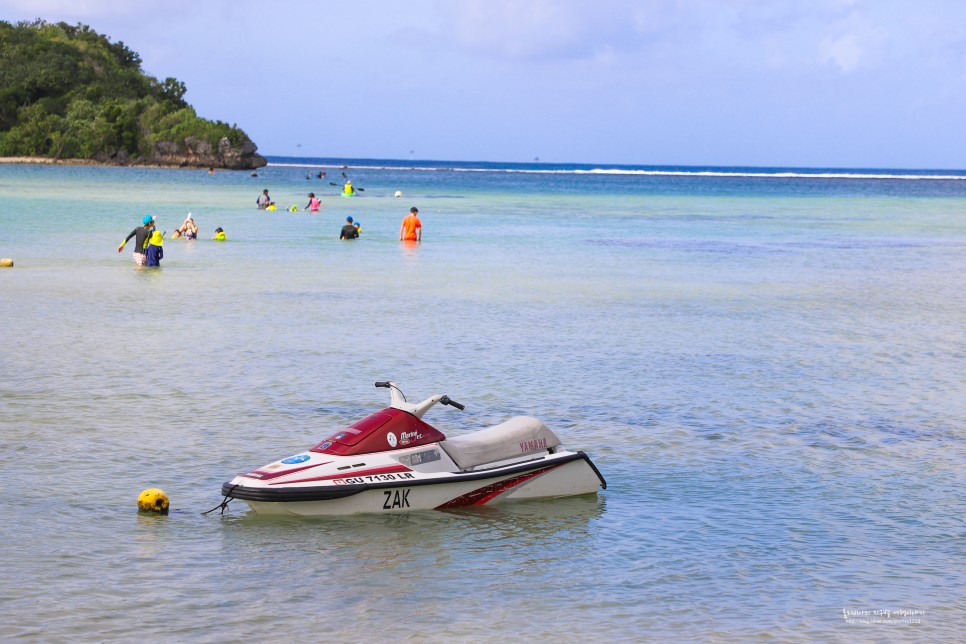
[844,52]
[853,42]
[549,28]
[69,10]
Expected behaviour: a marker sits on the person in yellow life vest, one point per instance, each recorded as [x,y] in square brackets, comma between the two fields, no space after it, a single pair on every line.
[219,235]
[348,190]
[154,251]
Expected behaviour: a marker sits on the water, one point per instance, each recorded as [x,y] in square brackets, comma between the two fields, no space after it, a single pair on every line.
[768,370]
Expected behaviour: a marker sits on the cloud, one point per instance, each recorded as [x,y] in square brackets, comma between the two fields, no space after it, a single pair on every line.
[853,42]
[751,34]
[65,10]
[550,28]
[845,52]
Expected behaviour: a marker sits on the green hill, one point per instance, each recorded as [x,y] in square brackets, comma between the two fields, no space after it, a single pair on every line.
[67,92]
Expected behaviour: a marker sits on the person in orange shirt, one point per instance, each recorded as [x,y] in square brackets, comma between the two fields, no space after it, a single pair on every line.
[412,228]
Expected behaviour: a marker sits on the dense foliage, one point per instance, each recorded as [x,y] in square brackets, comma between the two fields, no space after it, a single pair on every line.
[69,92]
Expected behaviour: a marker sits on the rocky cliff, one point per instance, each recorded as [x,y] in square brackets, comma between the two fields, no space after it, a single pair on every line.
[192,153]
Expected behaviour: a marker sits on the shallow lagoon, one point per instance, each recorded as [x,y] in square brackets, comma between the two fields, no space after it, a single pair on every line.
[768,372]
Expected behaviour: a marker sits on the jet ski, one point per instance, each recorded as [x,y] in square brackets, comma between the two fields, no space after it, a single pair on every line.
[393,461]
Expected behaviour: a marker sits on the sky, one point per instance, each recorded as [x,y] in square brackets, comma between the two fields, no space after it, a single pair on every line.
[793,83]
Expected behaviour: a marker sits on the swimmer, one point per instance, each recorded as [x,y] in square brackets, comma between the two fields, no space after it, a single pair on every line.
[313,204]
[219,235]
[154,251]
[188,229]
[411,228]
[141,236]
[349,231]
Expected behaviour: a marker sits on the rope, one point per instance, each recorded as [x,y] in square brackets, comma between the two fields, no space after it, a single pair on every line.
[224,503]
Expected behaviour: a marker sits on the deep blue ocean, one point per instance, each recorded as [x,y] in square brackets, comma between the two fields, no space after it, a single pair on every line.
[766,364]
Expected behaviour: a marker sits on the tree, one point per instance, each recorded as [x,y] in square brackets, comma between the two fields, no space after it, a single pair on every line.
[67,91]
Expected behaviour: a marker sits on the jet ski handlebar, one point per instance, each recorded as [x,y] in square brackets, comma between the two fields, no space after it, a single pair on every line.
[446,400]
[398,400]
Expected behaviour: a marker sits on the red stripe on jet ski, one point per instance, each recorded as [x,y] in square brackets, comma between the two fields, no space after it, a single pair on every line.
[262,475]
[390,469]
[487,493]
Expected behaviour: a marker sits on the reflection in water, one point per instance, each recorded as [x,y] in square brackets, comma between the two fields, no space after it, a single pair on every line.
[367,546]
[149,274]
[537,519]
[410,248]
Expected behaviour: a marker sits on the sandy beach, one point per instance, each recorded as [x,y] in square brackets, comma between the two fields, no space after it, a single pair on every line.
[48,161]
[93,162]
[81,162]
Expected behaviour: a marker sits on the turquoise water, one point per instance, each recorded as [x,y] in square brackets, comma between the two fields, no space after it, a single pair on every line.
[767,370]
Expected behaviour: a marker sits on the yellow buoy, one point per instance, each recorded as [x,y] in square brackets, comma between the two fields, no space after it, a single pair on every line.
[153,500]
[6,262]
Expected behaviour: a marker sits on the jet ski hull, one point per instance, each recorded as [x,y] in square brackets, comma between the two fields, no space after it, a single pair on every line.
[560,474]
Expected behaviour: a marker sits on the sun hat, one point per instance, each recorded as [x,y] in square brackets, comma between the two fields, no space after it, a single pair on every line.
[157,238]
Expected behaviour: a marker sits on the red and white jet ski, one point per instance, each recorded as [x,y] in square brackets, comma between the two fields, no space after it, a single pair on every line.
[393,461]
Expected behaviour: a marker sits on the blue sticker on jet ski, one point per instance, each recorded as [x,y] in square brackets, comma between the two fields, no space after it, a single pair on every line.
[325,445]
[339,436]
[296,459]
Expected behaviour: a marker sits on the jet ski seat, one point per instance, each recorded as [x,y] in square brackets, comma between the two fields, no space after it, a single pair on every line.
[518,436]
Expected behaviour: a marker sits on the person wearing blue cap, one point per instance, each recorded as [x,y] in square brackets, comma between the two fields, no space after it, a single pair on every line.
[141,235]
[349,231]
